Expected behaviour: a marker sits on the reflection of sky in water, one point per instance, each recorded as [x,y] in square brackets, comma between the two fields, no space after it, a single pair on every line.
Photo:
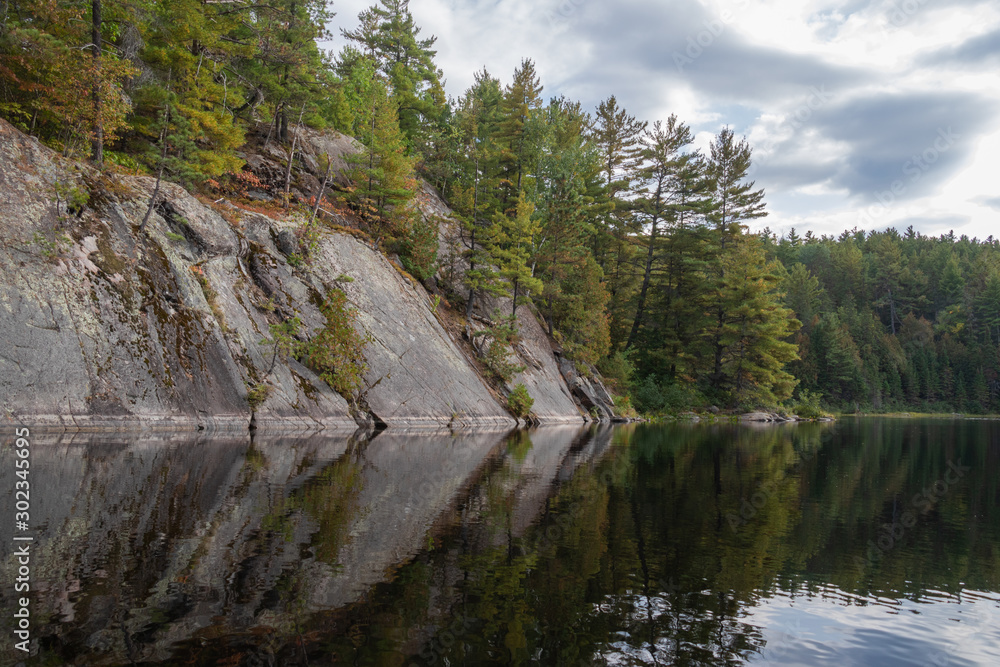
[832,627]
[827,626]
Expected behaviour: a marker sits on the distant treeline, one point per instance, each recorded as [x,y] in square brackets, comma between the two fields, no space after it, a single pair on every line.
[895,321]
[632,247]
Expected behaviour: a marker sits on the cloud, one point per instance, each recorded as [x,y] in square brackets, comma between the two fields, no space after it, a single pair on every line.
[895,83]
[875,141]
[685,44]
[978,50]
[992,202]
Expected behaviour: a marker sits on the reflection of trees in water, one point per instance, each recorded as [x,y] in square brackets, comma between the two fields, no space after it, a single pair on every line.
[634,559]
[645,551]
[329,500]
[677,629]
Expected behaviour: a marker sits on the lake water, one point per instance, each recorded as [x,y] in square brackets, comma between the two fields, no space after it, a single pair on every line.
[863,542]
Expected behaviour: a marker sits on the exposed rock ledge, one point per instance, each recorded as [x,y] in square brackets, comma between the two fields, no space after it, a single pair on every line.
[105,326]
[775,418]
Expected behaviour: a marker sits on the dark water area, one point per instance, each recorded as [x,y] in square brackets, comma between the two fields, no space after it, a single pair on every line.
[863,542]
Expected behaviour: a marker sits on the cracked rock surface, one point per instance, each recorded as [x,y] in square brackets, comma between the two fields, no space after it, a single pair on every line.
[106,326]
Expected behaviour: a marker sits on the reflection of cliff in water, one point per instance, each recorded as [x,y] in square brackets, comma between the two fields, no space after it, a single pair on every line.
[623,545]
[145,541]
[644,551]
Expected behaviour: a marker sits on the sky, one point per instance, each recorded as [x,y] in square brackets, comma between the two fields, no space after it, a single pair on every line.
[862,114]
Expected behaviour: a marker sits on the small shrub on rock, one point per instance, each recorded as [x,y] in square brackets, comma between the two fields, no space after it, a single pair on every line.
[257,394]
[519,401]
[337,351]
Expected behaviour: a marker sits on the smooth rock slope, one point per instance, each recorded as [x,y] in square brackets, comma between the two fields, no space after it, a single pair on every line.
[106,325]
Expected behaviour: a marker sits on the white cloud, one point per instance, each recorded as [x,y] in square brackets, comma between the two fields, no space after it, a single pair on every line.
[893,70]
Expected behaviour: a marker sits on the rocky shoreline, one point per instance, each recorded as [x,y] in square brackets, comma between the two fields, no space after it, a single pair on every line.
[111,326]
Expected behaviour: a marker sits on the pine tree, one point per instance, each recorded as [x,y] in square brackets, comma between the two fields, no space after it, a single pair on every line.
[511,247]
[952,283]
[736,200]
[521,130]
[803,293]
[570,198]
[750,348]
[661,199]
[388,34]
[474,189]
[987,307]
[677,300]
[382,173]
[617,136]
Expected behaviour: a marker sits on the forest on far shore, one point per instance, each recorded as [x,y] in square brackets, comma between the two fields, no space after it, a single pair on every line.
[637,252]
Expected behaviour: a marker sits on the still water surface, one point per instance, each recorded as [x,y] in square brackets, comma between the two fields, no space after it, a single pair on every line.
[865,542]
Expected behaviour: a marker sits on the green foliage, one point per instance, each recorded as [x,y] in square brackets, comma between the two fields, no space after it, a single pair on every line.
[521,131]
[747,340]
[51,249]
[651,397]
[510,247]
[617,370]
[382,172]
[175,237]
[257,394]
[497,355]
[519,401]
[388,38]
[807,405]
[71,195]
[420,247]
[284,339]
[336,351]
[127,163]
[624,408]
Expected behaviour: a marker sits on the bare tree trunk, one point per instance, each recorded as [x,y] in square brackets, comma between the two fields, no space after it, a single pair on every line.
[513,311]
[159,173]
[291,156]
[322,189]
[152,199]
[274,122]
[98,141]
[647,273]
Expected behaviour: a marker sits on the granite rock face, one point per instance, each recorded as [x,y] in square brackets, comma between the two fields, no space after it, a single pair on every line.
[101,325]
[107,325]
[561,394]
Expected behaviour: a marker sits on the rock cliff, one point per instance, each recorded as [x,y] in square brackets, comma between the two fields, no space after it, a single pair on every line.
[109,325]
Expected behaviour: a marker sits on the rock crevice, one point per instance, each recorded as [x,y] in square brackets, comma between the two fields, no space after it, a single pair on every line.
[110,326]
